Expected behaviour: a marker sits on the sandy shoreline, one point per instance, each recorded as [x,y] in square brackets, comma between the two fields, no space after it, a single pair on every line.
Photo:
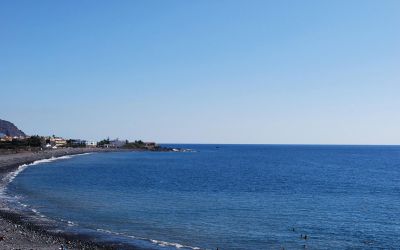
[17,232]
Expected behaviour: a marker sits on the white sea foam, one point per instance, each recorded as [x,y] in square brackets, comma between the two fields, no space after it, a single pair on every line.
[38,213]
[172,244]
[69,223]
[106,231]
[11,176]
[156,242]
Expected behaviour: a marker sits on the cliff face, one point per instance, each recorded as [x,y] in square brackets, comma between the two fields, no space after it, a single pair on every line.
[10,129]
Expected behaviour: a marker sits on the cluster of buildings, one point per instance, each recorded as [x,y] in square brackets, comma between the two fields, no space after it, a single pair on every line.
[50,141]
[121,143]
[6,138]
[56,142]
[53,142]
[114,144]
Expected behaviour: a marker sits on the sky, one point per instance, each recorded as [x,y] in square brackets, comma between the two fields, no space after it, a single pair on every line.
[209,71]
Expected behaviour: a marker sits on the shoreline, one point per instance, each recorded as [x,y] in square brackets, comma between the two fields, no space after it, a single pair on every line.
[19,232]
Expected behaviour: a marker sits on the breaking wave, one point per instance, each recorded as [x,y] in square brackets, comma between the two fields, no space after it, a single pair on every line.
[159,243]
[11,176]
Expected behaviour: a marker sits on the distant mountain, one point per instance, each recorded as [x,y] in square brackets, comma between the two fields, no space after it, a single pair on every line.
[10,129]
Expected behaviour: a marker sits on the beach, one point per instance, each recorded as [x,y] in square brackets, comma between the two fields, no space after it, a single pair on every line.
[18,233]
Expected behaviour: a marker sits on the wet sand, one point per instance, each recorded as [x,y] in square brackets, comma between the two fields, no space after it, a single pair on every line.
[18,233]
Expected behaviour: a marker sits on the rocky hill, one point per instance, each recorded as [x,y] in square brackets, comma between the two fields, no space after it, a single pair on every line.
[10,129]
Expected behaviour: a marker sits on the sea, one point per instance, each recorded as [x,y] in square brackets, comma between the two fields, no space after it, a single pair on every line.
[223,196]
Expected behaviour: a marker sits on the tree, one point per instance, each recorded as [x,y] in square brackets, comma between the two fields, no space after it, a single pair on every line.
[34,141]
[103,142]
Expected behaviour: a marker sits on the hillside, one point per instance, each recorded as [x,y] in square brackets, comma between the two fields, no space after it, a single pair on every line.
[10,129]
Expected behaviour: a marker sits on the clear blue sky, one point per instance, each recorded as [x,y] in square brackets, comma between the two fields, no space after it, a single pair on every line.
[324,72]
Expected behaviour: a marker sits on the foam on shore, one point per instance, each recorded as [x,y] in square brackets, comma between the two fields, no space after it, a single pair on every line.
[159,243]
[54,225]
[7,179]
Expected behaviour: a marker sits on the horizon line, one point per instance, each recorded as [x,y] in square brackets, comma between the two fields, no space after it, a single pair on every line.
[280,144]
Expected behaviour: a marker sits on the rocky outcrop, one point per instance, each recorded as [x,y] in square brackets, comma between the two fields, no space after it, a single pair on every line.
[10,129]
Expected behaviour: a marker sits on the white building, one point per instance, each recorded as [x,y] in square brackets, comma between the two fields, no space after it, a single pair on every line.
[117,143]
[91,143]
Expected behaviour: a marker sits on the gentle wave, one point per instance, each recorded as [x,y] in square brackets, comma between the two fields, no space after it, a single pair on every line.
[11,176]
[172,244]
[24,207]
[156,242]
[69,223]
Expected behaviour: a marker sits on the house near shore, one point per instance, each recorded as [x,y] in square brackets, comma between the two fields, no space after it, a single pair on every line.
[117,143]
[91,144]
[76,143]
[6,138]
[112,144]
[150,145]
[58,142]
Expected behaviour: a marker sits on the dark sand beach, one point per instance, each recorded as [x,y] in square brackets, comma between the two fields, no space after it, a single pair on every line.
[17,232]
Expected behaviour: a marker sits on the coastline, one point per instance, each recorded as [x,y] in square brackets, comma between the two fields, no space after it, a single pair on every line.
[18,232]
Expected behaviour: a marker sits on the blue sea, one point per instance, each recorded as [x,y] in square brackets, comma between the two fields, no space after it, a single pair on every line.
[225,196]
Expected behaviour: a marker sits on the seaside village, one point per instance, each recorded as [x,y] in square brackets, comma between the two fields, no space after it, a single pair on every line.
[54,142]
